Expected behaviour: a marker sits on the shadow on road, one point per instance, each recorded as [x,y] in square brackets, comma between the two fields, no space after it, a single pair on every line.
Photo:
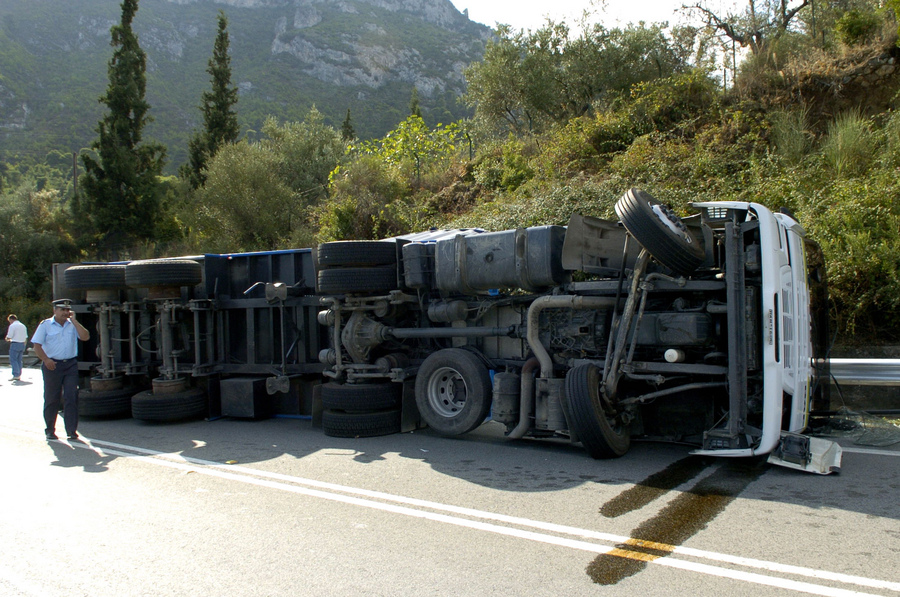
[484,457]
[68,455]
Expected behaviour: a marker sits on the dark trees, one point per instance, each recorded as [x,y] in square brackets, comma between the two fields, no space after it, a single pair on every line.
[219,118]
[347,132]
[119,201]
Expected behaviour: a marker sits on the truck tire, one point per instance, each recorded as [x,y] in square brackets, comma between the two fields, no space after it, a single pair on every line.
[357,280]
[95,277]
[178,406]
[163,273]
[361,397]
[600,433]
[453,391]
[660,231]
[356,253]
[343,424]
[105,403]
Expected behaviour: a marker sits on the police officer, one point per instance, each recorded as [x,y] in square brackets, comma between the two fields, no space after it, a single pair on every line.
[56,344]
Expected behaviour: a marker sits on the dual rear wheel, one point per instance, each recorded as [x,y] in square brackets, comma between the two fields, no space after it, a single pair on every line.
[361,410]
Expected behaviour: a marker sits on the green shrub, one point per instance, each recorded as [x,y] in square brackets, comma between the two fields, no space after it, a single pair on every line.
[663,104]
[894,6]
[654,158]
[488,171]
[34,234]
[506,168]
[890,157]
[858,227]
[848,148]
[516,168]
[550,203]
[367,202]
[584,144]
[790,136]
[857,26]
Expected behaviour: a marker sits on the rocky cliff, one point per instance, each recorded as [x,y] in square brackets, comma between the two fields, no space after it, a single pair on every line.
[287,55]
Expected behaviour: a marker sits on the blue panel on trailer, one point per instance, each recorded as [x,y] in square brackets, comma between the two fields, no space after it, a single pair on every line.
[278,252]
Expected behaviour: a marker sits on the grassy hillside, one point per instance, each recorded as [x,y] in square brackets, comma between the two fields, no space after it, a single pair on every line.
[831,158]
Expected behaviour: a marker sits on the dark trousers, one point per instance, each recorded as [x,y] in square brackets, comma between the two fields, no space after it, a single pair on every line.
[61,383]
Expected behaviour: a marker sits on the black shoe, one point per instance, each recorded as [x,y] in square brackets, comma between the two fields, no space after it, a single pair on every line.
[74,437]
[50,435]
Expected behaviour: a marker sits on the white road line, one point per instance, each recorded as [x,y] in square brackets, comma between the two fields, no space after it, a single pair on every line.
[869,451]
[243,477]
[289,483]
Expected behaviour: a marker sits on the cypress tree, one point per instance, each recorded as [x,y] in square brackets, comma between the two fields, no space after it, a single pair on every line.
[219,118]
[347,132]
[414,109]
[119,199]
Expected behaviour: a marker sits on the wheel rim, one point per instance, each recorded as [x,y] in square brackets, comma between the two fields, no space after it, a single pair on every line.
[671,221]
[447,392]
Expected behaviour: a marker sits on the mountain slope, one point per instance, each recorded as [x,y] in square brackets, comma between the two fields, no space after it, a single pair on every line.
[362,55]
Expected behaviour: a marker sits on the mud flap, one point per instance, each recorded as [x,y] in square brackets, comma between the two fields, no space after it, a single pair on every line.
[804,453]
[595,246]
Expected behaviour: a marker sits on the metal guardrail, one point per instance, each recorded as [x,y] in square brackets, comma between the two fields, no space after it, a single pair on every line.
[866,372]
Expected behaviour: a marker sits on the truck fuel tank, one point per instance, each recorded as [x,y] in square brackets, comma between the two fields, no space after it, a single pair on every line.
[526,258]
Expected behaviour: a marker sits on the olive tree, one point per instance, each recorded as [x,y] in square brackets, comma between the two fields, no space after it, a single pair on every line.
[245,204]
[528,81]
[259,196]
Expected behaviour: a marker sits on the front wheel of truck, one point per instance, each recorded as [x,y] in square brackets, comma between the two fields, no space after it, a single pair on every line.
[453,391]
[601,431]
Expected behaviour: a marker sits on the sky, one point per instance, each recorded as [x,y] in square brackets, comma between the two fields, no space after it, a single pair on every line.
[531,14]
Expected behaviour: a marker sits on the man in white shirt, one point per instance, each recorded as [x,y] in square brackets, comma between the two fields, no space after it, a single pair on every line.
[16,335]
[56,344]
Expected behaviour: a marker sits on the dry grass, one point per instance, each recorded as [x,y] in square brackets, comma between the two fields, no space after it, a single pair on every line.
[819,65]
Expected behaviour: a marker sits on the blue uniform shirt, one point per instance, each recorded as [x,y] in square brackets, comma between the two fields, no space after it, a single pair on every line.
[60,342]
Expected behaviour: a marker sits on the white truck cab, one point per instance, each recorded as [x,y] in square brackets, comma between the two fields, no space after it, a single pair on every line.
[786,346]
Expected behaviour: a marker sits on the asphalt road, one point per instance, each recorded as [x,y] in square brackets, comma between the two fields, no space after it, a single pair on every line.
[274,508]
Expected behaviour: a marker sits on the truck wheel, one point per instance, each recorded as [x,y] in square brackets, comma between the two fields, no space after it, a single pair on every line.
[342,424]
[453,391]
[357,280]
[356,253]
[163,273]
[105,403]
[361,397]
[660,231]
[600,432]
[95,277]
[190,404]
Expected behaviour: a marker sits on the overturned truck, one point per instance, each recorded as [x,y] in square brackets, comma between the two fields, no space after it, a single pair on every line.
[699,330]
[704,330]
